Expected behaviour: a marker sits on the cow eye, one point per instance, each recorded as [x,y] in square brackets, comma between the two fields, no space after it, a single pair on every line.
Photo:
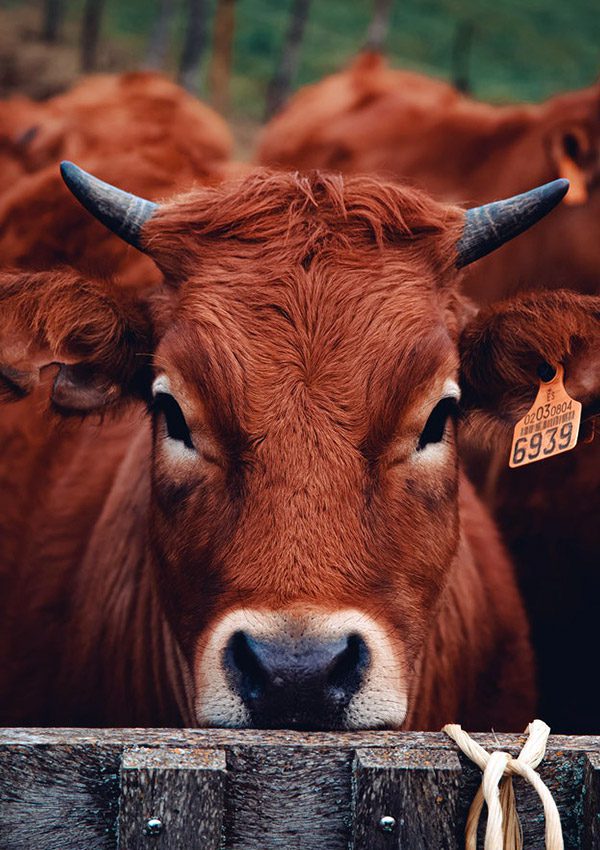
[435,427]
[177,428]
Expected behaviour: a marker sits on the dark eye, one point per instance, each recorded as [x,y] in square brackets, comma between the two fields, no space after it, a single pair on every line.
[177,428]
[435,427]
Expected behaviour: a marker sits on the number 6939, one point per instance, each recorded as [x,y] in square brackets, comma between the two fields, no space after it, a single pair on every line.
[542,443]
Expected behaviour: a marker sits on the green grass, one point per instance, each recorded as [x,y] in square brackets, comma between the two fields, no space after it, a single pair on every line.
[522,49]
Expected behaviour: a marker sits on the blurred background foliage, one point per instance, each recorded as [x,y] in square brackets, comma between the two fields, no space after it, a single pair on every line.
[509,50]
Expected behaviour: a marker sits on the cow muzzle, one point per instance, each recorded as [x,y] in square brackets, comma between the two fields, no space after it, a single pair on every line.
[305,683]
[310,670]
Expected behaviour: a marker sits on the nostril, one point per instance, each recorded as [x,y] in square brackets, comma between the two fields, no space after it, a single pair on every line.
[244,665]
[346,674]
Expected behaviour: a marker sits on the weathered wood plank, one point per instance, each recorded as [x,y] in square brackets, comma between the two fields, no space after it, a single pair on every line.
[285,798]
[207,738]
[590,810]
[58,798]
[563,772]
[406,798]
[60,788]
[407,782]
[171,799]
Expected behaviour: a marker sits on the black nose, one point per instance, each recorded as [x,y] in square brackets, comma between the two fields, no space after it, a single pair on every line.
[302,684]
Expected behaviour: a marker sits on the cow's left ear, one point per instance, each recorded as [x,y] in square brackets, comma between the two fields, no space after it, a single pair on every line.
[575,152]
[507,348]
[99,335]
[40,143]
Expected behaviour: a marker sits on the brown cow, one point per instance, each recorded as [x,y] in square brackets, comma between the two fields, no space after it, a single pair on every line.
[288,540]
[19,117]
[137,129]
[110,115]
[372,118]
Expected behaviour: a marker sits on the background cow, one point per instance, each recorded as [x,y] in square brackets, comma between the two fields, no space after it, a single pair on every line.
[373,118]
[291,542]
[137,129]
[370,118]
[109,115]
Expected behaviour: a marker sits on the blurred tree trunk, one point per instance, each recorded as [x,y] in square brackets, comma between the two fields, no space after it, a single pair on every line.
[461,55]
[53,12]
[90,33]
[379,26]
[289,61]
[220,67]
[160,37]
[195,43]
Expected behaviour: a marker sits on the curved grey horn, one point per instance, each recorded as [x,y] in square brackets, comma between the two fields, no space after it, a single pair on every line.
[490,226]
[121,212]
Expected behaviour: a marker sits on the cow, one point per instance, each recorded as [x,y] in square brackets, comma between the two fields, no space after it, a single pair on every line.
[19,116]
[267,525]
[107,115]
[137,129]
[373,118]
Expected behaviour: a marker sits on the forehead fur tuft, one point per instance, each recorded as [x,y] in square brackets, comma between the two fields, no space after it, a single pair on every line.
[312,209]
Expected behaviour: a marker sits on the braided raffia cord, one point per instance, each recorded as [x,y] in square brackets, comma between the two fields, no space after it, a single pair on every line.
[503,831]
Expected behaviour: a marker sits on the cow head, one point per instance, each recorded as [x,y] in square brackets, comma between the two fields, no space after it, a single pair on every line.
[303,369]
[571,129]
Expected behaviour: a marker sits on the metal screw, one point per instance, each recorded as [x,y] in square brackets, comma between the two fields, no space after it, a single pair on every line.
[387,823]
[154,826]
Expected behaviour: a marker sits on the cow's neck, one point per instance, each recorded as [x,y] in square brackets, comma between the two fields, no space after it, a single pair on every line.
[444,668]
[138,673]
[480,609]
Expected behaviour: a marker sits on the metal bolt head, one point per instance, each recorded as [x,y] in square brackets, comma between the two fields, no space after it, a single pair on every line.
[387,823]
[154,826]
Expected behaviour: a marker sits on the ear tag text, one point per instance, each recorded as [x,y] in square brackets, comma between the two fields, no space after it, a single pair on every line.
[550,427]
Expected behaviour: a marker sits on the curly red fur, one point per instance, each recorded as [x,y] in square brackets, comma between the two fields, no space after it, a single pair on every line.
[62,317]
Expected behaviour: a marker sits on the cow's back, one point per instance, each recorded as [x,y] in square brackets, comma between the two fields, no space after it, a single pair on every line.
[370,118]
[137,130]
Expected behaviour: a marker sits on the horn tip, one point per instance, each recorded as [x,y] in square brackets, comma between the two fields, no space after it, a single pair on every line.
[509,218]
[72,176]
[123,213]
[557,189]
[68,170]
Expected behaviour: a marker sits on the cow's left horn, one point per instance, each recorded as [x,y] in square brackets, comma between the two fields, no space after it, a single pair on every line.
[489,227]
[121,212]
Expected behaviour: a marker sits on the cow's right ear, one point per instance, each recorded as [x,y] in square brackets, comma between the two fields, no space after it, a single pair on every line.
[573,149]
[99,335]
[507,348]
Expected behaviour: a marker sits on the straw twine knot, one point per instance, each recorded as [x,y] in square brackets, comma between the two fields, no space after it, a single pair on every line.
[503,831]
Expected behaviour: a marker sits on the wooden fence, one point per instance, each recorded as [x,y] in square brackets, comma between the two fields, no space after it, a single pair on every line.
[72,789]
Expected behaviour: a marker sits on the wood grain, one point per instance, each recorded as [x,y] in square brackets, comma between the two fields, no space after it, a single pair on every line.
[63,789]
[286,798]
[417,787]
[284,737]
[183,788]
[59,797]
[590,810]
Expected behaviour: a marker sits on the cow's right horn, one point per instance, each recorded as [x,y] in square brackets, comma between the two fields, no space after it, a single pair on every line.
[121,212]
[490,226]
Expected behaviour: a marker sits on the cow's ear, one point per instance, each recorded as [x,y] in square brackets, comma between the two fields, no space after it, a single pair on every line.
[98,335]
[40,143]
[573,149]
[507,348]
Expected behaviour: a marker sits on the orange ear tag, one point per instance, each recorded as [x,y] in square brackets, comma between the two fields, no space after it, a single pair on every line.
[550,427]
